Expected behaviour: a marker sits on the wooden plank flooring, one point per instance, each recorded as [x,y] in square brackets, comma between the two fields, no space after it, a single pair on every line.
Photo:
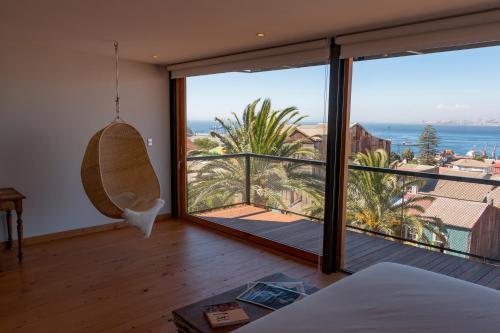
[116,281]
[361,250]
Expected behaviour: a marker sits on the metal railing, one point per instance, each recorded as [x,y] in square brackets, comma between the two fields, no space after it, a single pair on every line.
[255,172]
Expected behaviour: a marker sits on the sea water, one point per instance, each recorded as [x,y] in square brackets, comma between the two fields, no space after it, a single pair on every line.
[459,138]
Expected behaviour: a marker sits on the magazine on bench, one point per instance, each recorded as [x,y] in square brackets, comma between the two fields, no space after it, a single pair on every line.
[270,296]
[294,286]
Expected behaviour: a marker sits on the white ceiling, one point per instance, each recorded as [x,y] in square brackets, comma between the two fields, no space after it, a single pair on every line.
[180,30]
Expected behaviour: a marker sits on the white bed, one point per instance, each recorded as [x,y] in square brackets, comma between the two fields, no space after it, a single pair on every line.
[389,297]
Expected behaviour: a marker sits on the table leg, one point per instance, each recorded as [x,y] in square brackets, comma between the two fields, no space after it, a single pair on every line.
[9,229]
[19,212]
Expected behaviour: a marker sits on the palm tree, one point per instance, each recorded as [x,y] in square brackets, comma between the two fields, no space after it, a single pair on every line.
[261,131]
[378,201]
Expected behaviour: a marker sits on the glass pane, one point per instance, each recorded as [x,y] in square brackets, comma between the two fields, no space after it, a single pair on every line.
[423,165]
[256,150]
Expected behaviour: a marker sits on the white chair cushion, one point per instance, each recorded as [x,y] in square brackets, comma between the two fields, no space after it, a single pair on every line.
[144,219]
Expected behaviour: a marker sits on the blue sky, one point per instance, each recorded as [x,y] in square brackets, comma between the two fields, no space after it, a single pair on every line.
[458,85]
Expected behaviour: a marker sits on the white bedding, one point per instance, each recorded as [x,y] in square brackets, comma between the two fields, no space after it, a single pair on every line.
[389,297]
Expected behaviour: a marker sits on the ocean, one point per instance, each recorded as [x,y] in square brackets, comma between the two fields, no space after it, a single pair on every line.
[459,138]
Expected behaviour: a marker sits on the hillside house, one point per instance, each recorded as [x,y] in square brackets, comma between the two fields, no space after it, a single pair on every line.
[360,139]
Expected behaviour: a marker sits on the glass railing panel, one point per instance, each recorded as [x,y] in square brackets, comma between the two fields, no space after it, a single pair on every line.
[454,215]
[438,212]
[215,182]
[288,185]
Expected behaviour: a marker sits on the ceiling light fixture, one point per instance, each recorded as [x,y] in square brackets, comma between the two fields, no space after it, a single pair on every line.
[259,34]
[155,57]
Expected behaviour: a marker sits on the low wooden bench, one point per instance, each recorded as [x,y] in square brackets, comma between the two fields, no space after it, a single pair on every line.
[191,319]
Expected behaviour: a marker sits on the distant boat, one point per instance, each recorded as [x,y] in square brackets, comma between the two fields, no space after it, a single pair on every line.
[412,144]
[471,153]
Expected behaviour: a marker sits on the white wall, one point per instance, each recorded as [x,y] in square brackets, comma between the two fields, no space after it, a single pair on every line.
[51,102]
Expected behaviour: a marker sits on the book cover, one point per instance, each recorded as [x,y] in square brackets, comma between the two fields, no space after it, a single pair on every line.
[225,314]
[270,296]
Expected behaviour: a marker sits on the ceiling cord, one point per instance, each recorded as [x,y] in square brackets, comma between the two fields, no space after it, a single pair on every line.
[117,85]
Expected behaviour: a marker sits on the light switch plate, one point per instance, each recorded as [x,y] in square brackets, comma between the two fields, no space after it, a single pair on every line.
[150,142]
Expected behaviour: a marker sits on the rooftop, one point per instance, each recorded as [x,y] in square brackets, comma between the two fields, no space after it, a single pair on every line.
[313,130]
[190,145]
[462,173]
[456,190]
[470,163]
[456,213]
[418,168]
[321,129]
[494,196]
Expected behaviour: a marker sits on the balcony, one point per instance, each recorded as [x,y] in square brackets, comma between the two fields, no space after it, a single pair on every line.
[444,223]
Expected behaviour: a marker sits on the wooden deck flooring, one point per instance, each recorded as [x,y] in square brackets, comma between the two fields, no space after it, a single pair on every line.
[361,250]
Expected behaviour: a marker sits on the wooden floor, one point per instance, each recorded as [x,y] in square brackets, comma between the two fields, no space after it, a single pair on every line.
[361,250]
[116,281]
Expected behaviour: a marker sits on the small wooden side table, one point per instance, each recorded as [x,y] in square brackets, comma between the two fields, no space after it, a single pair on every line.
[10,200]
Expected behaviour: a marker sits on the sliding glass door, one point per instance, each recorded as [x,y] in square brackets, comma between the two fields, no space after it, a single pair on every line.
[422,174]
[256,155]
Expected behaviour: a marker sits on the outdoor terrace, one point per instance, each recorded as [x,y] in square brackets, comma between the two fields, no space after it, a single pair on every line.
[298,234]
[361,250]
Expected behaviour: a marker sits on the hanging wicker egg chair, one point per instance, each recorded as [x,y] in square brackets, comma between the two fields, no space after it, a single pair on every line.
[117,173]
